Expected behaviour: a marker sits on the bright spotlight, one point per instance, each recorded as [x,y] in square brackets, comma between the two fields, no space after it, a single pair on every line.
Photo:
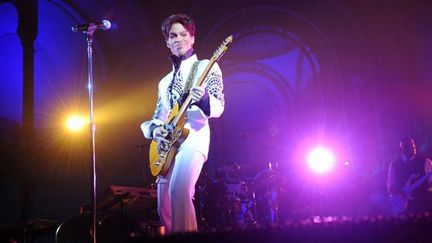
[75,123]
[320,160]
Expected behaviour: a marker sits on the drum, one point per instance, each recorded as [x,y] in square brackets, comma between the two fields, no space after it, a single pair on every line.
[119,228]
[75,230]
[266,190]
[240,204]
[111,228]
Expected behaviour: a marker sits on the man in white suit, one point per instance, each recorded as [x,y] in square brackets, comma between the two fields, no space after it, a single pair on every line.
[176,189]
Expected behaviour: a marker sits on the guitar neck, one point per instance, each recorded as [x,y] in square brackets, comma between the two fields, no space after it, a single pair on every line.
[216,56]
[188,100]
[418,183]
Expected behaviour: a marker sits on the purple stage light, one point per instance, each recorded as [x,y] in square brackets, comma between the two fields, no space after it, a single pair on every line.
[320,160]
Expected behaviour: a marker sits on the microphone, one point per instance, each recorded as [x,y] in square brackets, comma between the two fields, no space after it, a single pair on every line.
[103,25]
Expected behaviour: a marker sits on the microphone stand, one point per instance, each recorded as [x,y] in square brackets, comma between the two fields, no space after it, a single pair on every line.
[92,132]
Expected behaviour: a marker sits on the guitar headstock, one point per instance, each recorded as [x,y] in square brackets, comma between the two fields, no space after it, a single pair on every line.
[222,49]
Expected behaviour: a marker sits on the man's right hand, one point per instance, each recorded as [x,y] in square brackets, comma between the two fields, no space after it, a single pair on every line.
[159,134]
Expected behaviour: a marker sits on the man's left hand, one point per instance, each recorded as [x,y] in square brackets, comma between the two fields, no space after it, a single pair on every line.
[197,93]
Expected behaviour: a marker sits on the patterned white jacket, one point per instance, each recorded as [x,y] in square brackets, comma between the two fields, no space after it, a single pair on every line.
[212,105]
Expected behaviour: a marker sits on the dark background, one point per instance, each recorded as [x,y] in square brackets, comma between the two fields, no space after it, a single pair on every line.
[351,75]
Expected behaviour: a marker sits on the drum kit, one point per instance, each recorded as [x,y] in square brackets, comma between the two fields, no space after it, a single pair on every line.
[238,196]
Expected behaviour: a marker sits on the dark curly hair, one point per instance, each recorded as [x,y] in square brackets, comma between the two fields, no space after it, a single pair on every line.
[182,19]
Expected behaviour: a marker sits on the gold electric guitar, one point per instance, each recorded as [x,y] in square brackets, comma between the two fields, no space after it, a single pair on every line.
[162,155]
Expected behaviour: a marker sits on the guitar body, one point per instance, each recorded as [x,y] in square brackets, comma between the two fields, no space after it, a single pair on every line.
[399,203]
[161,159]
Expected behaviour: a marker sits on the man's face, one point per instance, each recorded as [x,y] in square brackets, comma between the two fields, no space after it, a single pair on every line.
[408,149]
[179,40]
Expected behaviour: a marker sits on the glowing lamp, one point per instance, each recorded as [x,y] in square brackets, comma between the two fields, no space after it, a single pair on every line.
[75,123]
[320,160]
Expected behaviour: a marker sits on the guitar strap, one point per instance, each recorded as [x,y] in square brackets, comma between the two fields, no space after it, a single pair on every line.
[191,77]
[187,87]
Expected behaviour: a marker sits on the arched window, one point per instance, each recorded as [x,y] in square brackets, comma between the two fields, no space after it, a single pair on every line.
[270,75]
[11,68]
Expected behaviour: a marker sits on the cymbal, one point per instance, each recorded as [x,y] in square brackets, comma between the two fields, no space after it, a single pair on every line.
[234,168]
[235,173]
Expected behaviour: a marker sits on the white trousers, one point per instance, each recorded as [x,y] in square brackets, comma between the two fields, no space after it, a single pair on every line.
[176,190]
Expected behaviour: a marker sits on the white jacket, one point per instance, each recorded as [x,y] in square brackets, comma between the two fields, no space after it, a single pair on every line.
[197,122]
